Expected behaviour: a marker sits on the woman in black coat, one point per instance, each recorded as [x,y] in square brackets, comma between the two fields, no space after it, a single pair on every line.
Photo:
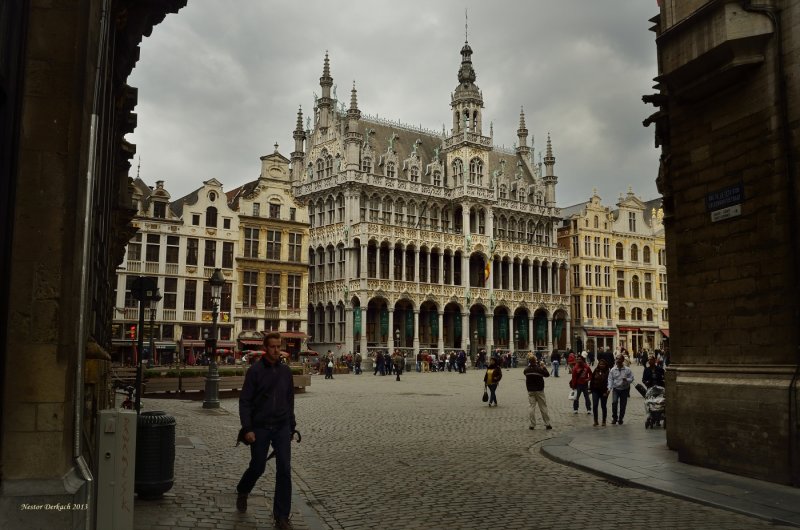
[491,378]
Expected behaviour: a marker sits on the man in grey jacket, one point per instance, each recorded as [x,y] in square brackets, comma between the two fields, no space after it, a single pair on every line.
[619,383]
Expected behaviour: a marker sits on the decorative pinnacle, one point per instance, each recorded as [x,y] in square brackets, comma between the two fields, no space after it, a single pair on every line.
[326,69]
[353,98]
[521,118]
[276,147]
[549,159]
[299,126]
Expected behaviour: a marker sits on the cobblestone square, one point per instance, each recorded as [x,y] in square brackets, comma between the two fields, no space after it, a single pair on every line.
[424,453]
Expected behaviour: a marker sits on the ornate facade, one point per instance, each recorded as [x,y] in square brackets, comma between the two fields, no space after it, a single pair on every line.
[619,274]
[271,263]
[428,241]
[179,243]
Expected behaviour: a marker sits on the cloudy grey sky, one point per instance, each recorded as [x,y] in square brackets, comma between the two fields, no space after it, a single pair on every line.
[220,82]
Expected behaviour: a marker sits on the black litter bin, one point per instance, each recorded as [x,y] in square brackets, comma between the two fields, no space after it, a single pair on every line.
[155,454]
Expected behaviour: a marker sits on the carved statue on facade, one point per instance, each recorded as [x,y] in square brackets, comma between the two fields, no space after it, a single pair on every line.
[468,242]
[334,92]
[468,297]
[491,246]
[392,138]
[308,123]
[338,164]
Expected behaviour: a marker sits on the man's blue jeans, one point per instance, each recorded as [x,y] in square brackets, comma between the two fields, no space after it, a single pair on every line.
[555,368]
[621,397]
[280,437]
[581,389]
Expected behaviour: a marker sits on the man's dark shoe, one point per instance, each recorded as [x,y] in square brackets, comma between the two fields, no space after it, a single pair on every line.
[241,502]
[531,428]
[549,427]
[283,524]
[620,422]
[613,422]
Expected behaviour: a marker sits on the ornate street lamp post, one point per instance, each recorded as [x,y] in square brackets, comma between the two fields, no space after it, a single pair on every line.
[144,289]
[211,396]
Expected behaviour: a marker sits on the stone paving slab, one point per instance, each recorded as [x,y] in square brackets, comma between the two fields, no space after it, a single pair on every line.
[422,453]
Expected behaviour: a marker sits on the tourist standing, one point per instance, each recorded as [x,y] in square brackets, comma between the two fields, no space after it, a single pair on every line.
[535,373]
[619,383]
[491,379]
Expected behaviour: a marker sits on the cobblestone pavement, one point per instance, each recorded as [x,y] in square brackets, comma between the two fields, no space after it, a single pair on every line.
[423,453]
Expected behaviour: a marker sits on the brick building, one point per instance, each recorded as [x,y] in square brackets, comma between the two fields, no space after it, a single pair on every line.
[728,125]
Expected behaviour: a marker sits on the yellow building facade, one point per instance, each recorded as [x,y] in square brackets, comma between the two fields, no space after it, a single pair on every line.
[618,274]
[271,265]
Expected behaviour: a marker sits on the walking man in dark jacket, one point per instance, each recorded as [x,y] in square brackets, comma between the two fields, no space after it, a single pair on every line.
[266,412]
[534,382]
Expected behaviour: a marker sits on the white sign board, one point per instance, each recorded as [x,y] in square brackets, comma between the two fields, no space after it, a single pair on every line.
[726,213]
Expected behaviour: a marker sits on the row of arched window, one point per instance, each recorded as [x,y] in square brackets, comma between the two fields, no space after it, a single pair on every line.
[636,314]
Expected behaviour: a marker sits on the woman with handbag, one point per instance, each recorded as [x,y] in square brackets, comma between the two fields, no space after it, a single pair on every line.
[491,378]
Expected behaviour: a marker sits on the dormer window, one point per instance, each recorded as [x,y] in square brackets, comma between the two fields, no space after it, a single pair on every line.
[414,174]
[437,178]
[159,210]
[502,191]
[390,171]
[476,171]
[366,164]
[458,172]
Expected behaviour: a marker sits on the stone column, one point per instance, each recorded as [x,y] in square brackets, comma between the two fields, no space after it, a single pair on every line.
[453,268]
[489,333]
[441,268]
[403,264]
[465,219]
[441,332]
[566,285]
[489,223]
[512,344]
[490,280]
[465,336]
[364,274]
[530,276]
[531,337]
[549,333]
[390,337]
[416,333]
[568,343]
[464,269]
[539,272]
[416,265]
[348,328]
[364,351]
[391,263]
[428,263]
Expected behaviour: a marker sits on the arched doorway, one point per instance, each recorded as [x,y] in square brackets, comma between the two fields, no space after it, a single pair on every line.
[477,328]
[377,322]
[521,328]
[429,326]
[560,330]
[540,329]
[452,332]
[501,329]
[403,323]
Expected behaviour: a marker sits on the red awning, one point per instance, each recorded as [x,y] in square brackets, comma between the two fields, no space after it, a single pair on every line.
[251,342]
[601,332]
[623,328]
[664,332]
[187,343]
[293,335]
[227,344]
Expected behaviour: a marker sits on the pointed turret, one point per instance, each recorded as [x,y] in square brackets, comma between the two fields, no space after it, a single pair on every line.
[324,103]
[353,138]
[522,135]
[299,136]
[550,179]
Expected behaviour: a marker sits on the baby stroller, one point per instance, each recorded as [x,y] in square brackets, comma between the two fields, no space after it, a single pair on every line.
[655,401]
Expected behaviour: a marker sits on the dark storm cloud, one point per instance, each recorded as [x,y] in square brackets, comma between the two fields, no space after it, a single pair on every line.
[221,82]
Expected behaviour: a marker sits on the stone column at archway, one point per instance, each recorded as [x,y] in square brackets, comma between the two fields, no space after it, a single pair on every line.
[512,274]
[364,275]
[531,336]
[452,268]
[416,333]
[390,335]
[557,282]
[348,329]
[490,223]
[566,284]
[539,272]
[428,263]
[391,263]
[465,332]
[530,276]
[489,332]
[549,333]
[363,345]
[512,326]
[403,263]
[490,281]
[568,344]
[465,215]
[441,267]
[416,265]
[441,332]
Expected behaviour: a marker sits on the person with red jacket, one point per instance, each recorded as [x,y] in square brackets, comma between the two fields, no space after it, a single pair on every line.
[570,361]
[581,375]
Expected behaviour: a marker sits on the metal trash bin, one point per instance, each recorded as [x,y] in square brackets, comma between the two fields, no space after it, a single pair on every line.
[155,454]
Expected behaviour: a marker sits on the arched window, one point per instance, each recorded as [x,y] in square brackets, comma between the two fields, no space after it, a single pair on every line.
[390,172]
[649,315]
[328,166]
[320,168]
[437,178]
[646,254]
[619,251]
[311,261]
[211,216]
[503,191]
[411,214]
[399,215]
[476,171]
[512,229]
[434,217]
[363,206]
[501,229]
[331,211]
[636,313]
[634,252]
[596,222]
[458,172]
[414,174]
[622,313]
[366,164]
[340,208]
[374,205]
[635,286]
[530,232]
[387,210]
[320,213]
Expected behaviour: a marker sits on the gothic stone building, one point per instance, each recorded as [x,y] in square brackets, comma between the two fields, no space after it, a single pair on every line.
[426,241]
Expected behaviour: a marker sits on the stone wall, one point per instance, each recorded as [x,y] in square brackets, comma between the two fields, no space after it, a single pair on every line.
[733,283]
